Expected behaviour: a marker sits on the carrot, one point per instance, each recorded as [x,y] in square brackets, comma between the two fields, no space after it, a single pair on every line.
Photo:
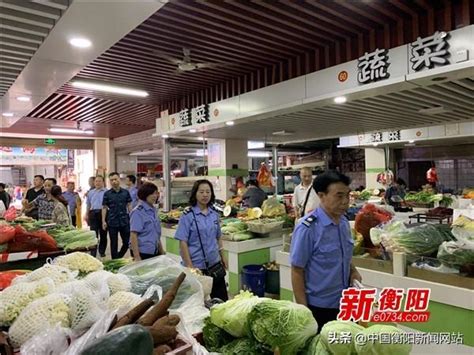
[135,313]
[166,321]
[163,335]
[162,349]
[160,309]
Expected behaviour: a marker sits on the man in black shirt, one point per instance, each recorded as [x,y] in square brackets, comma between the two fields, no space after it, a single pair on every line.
[116,206]
[32,194]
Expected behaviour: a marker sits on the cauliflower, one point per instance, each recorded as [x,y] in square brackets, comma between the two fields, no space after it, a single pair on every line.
[118,282]
[123,299]
[14,299]
[56,273]
[82,262]
[39,315]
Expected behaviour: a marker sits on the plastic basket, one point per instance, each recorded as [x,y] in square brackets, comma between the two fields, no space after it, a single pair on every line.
[264,228]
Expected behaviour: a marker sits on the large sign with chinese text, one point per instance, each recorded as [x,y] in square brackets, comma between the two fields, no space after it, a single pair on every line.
[195,116]
[33,156]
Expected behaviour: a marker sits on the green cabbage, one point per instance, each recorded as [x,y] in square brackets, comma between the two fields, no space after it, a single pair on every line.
[215,337]
[247,346]
[232,316]
[337,327]
[375,348]
[282,324]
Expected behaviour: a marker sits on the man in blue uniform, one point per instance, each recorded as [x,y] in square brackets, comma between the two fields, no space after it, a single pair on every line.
[321,250]
[130,182]
[116,206]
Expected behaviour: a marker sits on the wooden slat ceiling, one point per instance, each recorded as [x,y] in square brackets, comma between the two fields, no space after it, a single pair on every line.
[258,43]
[23,27]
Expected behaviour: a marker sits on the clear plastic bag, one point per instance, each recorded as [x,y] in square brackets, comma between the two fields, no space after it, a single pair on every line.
[273,208]
[163,271]
[186,333]
[98,329]
[52,341]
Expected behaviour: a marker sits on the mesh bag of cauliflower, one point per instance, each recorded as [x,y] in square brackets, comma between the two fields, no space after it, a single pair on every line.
[41,314]
[56,273]
[115,282]
[14,299]
[78,261]
[123,301]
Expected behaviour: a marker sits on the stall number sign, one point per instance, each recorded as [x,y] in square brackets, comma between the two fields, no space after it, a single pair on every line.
[49,141]
[189,117]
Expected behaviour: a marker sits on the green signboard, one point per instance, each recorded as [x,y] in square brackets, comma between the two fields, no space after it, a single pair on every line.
[49,141]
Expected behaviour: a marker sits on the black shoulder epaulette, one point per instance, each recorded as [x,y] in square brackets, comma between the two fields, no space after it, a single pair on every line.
[309,221]
[187,210]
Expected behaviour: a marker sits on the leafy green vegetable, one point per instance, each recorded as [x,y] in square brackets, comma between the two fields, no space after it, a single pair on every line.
[365,195]
[215,337]
[336,328]
[115,264]
[422,240]
[455,254]
[375,347]
[232,316]
[247,346]
[282,324]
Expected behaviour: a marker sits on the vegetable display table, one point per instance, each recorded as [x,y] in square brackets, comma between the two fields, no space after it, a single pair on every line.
[423,217]
[237,254]
[450,307]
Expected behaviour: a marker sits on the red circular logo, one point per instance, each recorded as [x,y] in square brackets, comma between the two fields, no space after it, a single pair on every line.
[343,76]
[216,112]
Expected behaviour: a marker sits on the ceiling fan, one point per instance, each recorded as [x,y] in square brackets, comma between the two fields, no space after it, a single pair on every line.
[186,64]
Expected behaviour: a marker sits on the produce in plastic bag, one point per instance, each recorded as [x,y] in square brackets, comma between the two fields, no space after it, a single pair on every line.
[85,308]
[232,316]
[272,208]
[56,273]
[368,217]
[463,230]
[14,299]
[52,341]
[163,271]
[82,262]
[282,324]
[39,240]
[10,214]
[41,314]
[118,282]
[456,255]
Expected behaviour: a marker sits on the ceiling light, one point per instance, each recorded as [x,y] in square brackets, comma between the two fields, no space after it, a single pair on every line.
[255,145]
[375,144]
[201,138]
[164,136]
[109,88]
[192,130]
[411,141]
[7,114]
[340,99]
[283,133]
[80,42]
[201,153]
[23,98]
[259,154]
[71,130]
[230,123]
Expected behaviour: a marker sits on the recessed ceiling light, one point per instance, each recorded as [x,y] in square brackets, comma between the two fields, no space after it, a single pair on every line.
[283,133]
[7,114]
[164,136]
[109,88]
[340,99]
[411,141]
[230,123]
[201,138]
[375,144]
[80,42]
[71,130]
[23,98]
[192,130]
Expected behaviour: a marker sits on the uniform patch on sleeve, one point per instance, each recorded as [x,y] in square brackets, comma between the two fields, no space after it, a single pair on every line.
[187,210]
[309,221]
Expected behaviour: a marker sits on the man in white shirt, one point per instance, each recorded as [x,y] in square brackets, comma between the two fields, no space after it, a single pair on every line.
[301,200]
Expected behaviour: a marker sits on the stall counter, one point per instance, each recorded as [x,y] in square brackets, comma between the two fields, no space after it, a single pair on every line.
[451,307]
[237,254]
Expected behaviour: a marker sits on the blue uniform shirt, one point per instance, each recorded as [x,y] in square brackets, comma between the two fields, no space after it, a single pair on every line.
[117,201]
[71,198]
[210,231]
[95,198]
[133,191]
[143,221]
[324,250]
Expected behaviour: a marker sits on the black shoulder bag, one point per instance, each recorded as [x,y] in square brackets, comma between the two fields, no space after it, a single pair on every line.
[216,271]
[306,201]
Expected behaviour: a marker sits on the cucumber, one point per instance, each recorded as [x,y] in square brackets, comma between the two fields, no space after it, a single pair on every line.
[129,339]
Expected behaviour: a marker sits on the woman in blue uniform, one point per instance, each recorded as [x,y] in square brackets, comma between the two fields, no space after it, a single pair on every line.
[145,229]
[199,235]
